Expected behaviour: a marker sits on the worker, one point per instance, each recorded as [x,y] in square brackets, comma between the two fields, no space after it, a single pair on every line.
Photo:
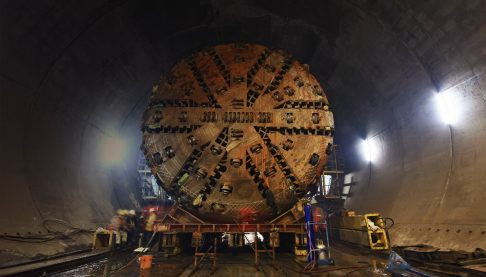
[117,226]
[149,228]
[131,226]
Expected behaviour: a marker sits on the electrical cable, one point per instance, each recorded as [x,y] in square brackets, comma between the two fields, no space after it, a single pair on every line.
[339,268]
[57,234]
[354,270]
[386,227]
[328,269]
[71,230]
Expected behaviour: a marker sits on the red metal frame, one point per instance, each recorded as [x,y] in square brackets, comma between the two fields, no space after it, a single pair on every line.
[235,228]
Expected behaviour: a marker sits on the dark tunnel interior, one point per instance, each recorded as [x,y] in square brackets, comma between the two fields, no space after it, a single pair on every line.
[76,76]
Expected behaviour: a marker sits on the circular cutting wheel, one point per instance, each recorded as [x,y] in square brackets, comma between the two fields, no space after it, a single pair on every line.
[237,132]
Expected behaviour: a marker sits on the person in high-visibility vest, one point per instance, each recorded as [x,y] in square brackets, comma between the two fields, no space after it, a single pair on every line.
[149,227]
[117,226]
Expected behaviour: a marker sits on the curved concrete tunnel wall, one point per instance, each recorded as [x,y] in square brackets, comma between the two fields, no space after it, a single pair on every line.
[73,75]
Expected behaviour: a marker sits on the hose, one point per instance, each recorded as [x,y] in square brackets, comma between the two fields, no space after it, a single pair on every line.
[29,239]
[324,270]
[354,270]
[70,230]
[134,258]
[340,268]
[386,227]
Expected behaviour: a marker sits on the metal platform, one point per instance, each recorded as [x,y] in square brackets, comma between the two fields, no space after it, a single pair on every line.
[235,228]
[179,220]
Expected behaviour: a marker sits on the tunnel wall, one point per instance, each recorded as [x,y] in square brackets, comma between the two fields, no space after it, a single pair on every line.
[67,94]
[428,175]
[73,76]
[430,178]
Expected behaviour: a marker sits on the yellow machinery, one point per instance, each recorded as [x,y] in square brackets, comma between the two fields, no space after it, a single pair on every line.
[300,248]
[377,235]
[103,240]
[366,230]
[170,243]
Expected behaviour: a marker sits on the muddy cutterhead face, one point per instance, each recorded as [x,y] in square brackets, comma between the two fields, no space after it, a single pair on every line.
[237,132]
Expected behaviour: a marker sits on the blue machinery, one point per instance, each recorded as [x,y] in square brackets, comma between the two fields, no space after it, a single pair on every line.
[318,248]
[399,267]
[319,251]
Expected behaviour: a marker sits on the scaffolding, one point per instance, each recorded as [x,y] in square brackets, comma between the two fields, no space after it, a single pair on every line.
[332,178]
[149,188]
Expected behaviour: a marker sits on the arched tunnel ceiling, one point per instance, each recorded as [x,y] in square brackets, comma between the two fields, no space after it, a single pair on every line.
[73,74]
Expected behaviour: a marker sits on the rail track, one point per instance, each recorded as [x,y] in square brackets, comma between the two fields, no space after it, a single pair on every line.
[55,264]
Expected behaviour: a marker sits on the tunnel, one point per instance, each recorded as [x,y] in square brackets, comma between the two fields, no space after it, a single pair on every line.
[405,81]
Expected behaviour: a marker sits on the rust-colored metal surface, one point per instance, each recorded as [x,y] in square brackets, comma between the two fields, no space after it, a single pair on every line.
[237,132]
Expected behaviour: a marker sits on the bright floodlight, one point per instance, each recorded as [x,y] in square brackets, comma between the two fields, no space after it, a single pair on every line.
[446,106]
[366,150]
[369,150]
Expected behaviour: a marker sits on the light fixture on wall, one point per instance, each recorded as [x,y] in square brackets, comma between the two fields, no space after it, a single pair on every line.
[369,150]
[447,106]
[366,150]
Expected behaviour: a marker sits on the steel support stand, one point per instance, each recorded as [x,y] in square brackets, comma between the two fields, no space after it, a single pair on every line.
[203,255]
[257,258]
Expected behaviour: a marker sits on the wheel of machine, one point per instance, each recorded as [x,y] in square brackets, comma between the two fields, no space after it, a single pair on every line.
[237,132]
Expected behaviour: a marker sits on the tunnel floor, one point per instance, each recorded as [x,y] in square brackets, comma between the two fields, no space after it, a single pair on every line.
[348,262]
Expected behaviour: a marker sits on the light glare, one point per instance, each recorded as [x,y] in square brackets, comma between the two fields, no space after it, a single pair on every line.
[112,150]
[448,112]
[369,150]
[366,150]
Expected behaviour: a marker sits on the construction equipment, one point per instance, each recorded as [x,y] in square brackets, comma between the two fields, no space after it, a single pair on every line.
[237,134]
[237,131]
[368,230]
[318,246]
[103,240]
